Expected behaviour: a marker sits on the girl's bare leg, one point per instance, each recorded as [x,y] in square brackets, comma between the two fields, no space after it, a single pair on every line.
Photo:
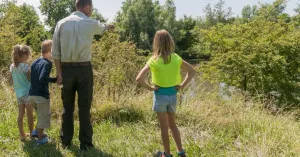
[20,120]
[175,131]
[163,121]
[29,112]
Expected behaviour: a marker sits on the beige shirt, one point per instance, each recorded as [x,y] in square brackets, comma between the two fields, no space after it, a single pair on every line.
[73,37]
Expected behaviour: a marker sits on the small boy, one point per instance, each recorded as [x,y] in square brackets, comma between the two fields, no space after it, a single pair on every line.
[39,91]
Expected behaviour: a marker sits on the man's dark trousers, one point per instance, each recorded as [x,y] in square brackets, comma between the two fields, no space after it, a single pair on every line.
[77,78]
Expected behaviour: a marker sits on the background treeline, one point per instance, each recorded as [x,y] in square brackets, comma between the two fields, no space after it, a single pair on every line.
[257,51]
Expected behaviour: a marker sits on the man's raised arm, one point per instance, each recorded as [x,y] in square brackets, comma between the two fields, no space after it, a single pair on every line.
[100,28]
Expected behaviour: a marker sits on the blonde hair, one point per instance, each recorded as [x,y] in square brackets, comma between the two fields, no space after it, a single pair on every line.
[163,45]
[46,46]
[18,53]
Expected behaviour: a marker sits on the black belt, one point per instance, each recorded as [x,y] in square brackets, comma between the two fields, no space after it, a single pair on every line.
[76,64]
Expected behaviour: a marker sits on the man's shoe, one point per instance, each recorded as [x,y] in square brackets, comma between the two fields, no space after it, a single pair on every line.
[85,147]
[66,146]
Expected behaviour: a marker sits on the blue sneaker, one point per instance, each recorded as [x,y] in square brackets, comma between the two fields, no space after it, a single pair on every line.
[181,154]
[35,134]
[43,141]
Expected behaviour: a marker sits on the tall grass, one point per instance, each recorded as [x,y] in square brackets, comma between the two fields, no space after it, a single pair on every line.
[210,126]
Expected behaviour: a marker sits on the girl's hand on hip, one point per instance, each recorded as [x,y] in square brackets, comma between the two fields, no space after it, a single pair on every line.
[155,88]
[179,87]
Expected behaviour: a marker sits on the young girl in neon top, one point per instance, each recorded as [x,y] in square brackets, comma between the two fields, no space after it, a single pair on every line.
[165,66]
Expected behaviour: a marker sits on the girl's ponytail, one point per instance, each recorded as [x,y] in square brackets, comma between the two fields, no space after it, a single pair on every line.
[16,55]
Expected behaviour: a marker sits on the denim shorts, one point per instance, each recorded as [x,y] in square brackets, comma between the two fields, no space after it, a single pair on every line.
[164,103]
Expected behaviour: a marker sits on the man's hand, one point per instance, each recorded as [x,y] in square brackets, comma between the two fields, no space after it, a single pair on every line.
[59,79]
[110,27]
[58,72]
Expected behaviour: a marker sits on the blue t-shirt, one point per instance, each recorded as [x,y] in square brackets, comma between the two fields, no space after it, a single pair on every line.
[40,71]
[19,76]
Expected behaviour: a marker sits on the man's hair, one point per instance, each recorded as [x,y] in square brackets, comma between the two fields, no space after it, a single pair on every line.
[82,3]
[46,46]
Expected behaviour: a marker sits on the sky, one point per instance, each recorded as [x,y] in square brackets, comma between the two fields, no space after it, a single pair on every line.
[192,8]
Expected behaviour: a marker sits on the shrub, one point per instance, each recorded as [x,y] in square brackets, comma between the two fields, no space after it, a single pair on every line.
[116,65]
[260,57]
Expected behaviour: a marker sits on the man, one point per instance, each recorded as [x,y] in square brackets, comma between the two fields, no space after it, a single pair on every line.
[72,42]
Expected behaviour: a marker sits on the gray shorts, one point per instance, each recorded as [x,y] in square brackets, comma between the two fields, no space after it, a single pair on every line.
[43,112]
[23,100]
[164,103]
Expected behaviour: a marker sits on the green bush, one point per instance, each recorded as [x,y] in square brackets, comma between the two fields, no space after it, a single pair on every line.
[260,57]
[116,65]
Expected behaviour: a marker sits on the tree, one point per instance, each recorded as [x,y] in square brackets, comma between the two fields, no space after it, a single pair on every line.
[136,22]
[248,13]
[116,64]
[296,18]
[25,23]
[271,12]
[8,35]
[218,14]
[187,40]
[55,10]
[260,57]
[167,17]
[30,28]
[139,20]
[297,10]
[98,16]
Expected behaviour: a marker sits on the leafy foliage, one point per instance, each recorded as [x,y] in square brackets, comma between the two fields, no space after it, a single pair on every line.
[55,10]
[25,23]
[217,14]
[116,64]
[260,57]
[98,16]
[8,35]
[136,22]
[256,53]
[186,41]
[248,13]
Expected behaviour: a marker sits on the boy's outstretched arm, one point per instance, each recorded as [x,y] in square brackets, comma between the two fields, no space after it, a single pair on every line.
[51,79]
[45,73]
[141,78]
[186,67]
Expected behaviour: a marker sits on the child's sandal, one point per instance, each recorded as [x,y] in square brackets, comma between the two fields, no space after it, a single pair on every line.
[23,139]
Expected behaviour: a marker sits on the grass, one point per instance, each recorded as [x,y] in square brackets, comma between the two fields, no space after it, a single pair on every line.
[210,126]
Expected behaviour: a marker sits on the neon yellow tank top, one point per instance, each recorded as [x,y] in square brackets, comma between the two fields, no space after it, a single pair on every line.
[165,75]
